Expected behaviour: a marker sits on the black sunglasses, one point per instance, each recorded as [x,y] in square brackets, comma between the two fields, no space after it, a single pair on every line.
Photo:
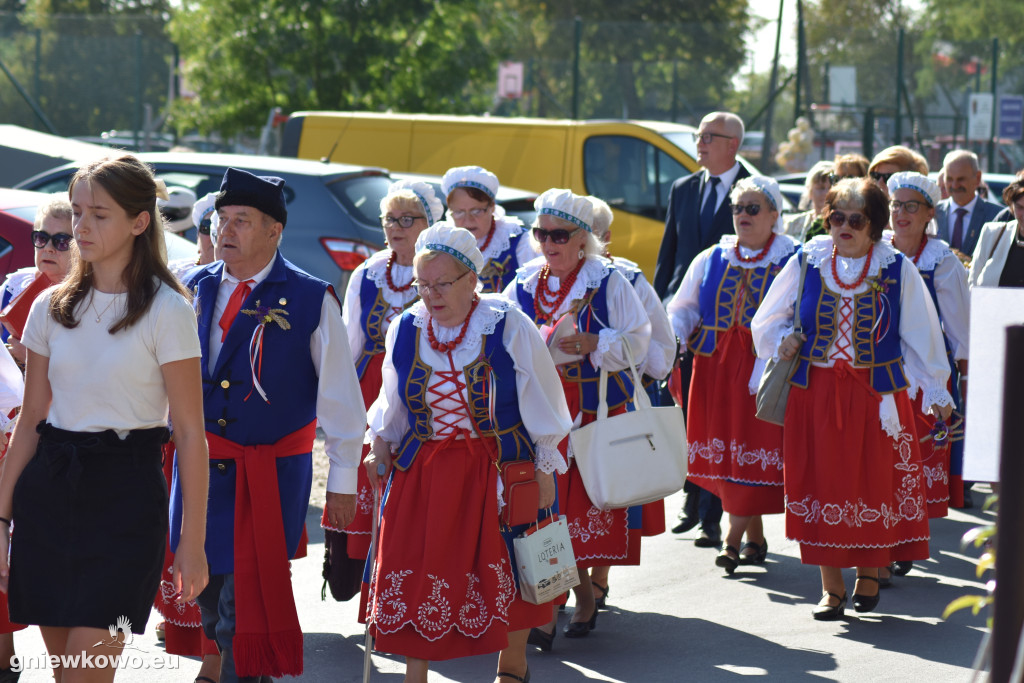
[856,221]
[559,236]
[61,240]
[751,209]
[881,177]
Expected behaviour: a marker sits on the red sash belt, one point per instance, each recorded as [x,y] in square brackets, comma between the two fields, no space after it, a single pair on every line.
[844,369]
[268,638]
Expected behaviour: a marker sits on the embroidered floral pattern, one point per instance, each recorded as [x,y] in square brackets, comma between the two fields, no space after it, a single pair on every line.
[597,524]
[763,457]
[473,615]
[436,612]
[713,452]
[389,608]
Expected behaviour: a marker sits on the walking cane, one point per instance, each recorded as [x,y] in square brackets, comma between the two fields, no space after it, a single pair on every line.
[367,640]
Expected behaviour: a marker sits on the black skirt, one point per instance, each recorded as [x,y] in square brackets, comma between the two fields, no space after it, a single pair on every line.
[90,521]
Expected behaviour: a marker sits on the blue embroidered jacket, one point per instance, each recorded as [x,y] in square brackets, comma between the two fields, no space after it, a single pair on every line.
[234,410]
[501,270]
[719,292]
[590,317]
[876,327]
[491,395]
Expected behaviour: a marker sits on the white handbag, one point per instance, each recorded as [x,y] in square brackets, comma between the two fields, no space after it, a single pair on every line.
[632,458]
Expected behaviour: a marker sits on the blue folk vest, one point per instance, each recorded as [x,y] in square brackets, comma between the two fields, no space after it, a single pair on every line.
[721,286]
[590,316]
[491,395]
[235,411]
[876,327]
[501,270]
[374,310]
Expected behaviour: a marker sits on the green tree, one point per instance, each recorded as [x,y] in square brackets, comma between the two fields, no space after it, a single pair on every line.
[244,58]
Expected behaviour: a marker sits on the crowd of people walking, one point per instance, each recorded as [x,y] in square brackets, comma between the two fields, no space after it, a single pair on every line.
[470,347]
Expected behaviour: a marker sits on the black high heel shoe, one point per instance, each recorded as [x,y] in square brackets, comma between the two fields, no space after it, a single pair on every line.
[726,561]
[866,603]
[759,555]
[601,602]
[828,612]
[580,629]
[541,639]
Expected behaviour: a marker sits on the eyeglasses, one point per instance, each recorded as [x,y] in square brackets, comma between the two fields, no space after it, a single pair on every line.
[834,178]
[751,209]
[706,138]
[881,177]
[559,236]
[205,226]
[473,213]
[403,221]
[910,207]
[61,240]
[856,221]
[439,288]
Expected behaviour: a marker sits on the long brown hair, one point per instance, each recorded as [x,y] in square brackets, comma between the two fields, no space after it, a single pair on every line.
[131,184]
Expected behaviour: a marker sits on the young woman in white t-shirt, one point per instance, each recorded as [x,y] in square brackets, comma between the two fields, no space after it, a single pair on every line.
[109,351]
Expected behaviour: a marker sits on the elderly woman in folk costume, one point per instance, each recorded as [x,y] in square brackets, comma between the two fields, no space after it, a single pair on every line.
[732,453]
[381,287]
[855,490]
[467,385]
[912,208]
[654,368]
[589,312]
[470,193]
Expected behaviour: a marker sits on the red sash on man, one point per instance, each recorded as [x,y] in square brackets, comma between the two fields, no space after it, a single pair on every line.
[268,638]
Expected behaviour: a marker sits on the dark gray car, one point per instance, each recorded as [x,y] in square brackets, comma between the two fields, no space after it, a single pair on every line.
[333,209]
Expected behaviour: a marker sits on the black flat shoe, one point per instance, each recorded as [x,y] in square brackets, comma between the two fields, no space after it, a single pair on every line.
[726,561]
[828,612]
[901,567]
[600,601]
[580,629]
[541,639]
[685,524]
[706,541]
[759,555]
[866,603]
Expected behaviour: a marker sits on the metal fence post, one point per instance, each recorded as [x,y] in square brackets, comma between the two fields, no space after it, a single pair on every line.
[1008,608]
[868,136]
[138,87]
[898,123]
[577,39]
[995,107]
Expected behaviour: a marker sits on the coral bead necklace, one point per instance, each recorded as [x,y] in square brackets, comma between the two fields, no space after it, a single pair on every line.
[756,257]
[546,303]
[387,275]
[863,273]
[446,347]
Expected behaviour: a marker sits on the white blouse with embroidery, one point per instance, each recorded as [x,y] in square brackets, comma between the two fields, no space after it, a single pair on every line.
[684,306]
[627,321]
[541,400]
[375,269]
[924,354]
[661,353]
[951,289]
[505,228]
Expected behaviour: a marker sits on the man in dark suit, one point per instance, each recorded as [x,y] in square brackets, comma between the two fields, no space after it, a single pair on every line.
[698,216]
[959,218]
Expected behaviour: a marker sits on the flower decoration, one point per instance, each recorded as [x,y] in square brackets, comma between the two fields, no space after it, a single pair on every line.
[265,315]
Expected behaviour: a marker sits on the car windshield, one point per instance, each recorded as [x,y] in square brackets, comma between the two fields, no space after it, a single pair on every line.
[684,141]
[26,212]
[361,195]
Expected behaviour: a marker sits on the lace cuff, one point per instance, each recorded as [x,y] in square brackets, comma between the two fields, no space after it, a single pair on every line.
[605,339]
[936,396]
[889,416]
[549,459]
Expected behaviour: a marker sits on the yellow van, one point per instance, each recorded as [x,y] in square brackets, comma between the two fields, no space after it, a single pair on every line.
[629,164]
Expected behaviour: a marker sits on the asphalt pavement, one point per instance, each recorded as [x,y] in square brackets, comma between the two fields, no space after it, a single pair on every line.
[676,618]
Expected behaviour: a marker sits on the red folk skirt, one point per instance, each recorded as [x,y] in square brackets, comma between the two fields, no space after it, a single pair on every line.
[600,538]
[444,583]
[732,453]
[357,533]
[934,460]
[855,496]
[183,632]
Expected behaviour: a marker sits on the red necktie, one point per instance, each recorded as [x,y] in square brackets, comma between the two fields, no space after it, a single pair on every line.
[242,290]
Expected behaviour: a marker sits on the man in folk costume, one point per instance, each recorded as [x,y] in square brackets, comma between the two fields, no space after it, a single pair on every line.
[275,362]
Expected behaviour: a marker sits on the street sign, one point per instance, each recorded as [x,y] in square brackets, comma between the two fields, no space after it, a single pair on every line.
[510,80]
[979,116]
[842,85]
[1011,117]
